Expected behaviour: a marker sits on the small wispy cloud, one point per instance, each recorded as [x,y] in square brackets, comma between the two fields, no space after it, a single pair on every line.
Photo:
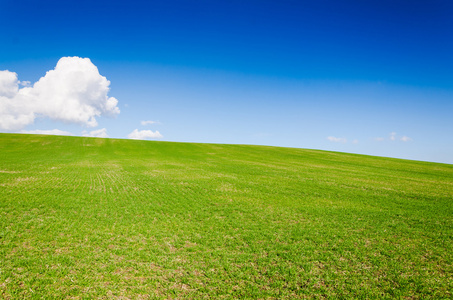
[144,134]
[405,139]
[47,132]
[101,133]
[337,139]
[149,122]
[355,141]
[25,83]
[392,136]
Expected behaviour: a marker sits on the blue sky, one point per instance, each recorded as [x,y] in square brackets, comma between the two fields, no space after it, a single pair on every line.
[371,77]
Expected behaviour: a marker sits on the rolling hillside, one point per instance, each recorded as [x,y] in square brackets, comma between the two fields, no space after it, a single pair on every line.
[109,218]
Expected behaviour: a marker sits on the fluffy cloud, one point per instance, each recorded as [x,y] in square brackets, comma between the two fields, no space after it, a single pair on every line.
[101,133]
[336,139]
[48,132]
[8,84]
[144,123]
[74,92]
[144,134]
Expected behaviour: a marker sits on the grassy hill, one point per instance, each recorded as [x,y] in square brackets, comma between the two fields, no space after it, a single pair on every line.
[107,218]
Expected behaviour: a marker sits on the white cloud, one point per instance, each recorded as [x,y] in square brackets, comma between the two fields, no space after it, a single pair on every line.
[406,139]
[392,136]
[101,133]
[144,123]
[144,134]
[25,83]
[8,84]
[47,132]
[74,92]
[355,141]
[336,139]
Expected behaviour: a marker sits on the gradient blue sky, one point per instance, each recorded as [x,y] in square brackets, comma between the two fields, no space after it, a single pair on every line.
[371,77]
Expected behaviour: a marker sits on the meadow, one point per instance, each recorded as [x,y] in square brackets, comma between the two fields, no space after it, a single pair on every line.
[92,218]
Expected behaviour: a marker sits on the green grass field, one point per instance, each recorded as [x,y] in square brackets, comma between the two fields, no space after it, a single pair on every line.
[84,218]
